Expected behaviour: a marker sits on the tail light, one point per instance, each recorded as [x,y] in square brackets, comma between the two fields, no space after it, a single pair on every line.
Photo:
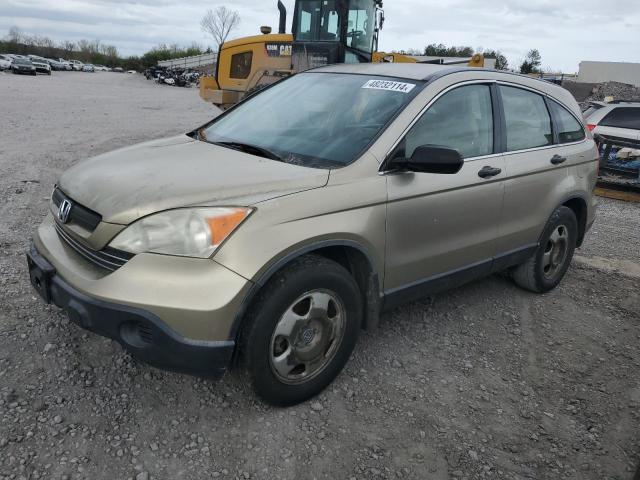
[591,126]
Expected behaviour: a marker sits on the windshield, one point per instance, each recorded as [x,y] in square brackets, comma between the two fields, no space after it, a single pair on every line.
[317,20]
[320,120]
[22,61]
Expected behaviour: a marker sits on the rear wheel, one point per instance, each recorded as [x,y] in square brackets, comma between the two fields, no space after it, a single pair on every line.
[301,330]
[547,267]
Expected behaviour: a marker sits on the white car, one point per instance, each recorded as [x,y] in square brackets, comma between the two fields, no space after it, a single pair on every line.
[87,67]
[66,63]
[5,62]
[76,65]
[617,119]
[41,66]
[100,68]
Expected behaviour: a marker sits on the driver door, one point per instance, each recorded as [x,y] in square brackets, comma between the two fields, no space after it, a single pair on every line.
[442,228]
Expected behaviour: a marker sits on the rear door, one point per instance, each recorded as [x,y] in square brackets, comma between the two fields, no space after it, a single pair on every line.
[537,159]
[441,224]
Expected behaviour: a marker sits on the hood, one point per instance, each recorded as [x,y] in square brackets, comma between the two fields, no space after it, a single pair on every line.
[126,184]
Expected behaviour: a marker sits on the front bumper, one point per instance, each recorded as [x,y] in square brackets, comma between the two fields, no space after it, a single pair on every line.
[138,331]
[186,306]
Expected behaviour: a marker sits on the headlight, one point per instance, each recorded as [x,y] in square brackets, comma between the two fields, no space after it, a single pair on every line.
[189,232]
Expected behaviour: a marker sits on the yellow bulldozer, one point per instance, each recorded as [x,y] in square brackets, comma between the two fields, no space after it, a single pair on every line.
[323,32]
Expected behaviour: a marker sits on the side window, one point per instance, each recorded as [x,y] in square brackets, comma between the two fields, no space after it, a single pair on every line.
[622,117]
[527,119]
[241,65]
[461,119]
[569,129]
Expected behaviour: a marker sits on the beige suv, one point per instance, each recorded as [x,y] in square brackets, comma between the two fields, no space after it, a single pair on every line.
[270,236]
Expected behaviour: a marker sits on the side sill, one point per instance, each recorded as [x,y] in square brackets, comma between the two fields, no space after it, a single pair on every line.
[455,278]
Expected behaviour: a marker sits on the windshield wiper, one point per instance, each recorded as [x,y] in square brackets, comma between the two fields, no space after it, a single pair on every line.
[252,149]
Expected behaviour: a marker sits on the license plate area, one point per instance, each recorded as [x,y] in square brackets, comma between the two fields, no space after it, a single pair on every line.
[40,273]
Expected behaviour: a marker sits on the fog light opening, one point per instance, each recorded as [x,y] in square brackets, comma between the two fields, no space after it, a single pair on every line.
[137,334]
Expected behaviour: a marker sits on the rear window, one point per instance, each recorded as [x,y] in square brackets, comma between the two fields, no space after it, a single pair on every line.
[241,65]
[622,117]
[569,129]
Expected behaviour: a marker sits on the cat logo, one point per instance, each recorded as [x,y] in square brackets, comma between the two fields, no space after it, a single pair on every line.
[278,49]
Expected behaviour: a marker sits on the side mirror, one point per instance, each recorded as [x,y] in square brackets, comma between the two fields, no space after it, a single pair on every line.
[433,159]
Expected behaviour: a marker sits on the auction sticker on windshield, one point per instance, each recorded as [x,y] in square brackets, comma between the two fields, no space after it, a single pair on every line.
[389,85]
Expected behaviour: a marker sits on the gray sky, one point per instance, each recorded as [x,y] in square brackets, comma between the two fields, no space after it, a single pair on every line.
[565,31]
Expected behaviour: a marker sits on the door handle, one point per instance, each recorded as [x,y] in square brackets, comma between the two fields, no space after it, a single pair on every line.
[558,159]
[487,172]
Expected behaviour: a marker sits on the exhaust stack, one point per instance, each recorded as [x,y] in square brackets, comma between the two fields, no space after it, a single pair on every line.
[282,27]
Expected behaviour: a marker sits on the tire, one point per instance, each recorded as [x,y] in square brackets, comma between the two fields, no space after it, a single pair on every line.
[291,295]
[544,270]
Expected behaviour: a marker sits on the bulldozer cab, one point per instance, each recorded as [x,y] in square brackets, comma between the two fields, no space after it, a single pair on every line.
[335,31]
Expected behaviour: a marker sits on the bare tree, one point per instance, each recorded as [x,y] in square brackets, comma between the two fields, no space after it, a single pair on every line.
[68,47]
[219,22]
[110,52]
[15,35]
[85,49]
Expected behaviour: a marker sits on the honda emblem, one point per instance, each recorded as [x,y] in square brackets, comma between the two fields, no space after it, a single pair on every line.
[64,210]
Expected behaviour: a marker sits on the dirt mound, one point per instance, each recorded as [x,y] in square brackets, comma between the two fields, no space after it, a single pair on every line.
[587,92]
[617,90]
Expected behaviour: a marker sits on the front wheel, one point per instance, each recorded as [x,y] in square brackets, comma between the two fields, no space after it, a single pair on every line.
[544,270]
[301,330]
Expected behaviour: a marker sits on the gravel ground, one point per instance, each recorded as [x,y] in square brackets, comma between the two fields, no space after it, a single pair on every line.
[486,381]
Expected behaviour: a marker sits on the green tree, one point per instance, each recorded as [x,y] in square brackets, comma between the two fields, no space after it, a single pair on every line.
[501,60]
[532,62]
[440,50]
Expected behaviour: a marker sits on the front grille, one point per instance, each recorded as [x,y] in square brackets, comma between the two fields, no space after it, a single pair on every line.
[82,216]
[107,258]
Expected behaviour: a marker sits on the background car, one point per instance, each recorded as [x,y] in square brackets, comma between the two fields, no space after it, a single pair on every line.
[118,70]
[42,66]
[101,68]
[55,64]
[87,67]
[5,62]
[24,66]
[618,119]
[76,65]
[66,63]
